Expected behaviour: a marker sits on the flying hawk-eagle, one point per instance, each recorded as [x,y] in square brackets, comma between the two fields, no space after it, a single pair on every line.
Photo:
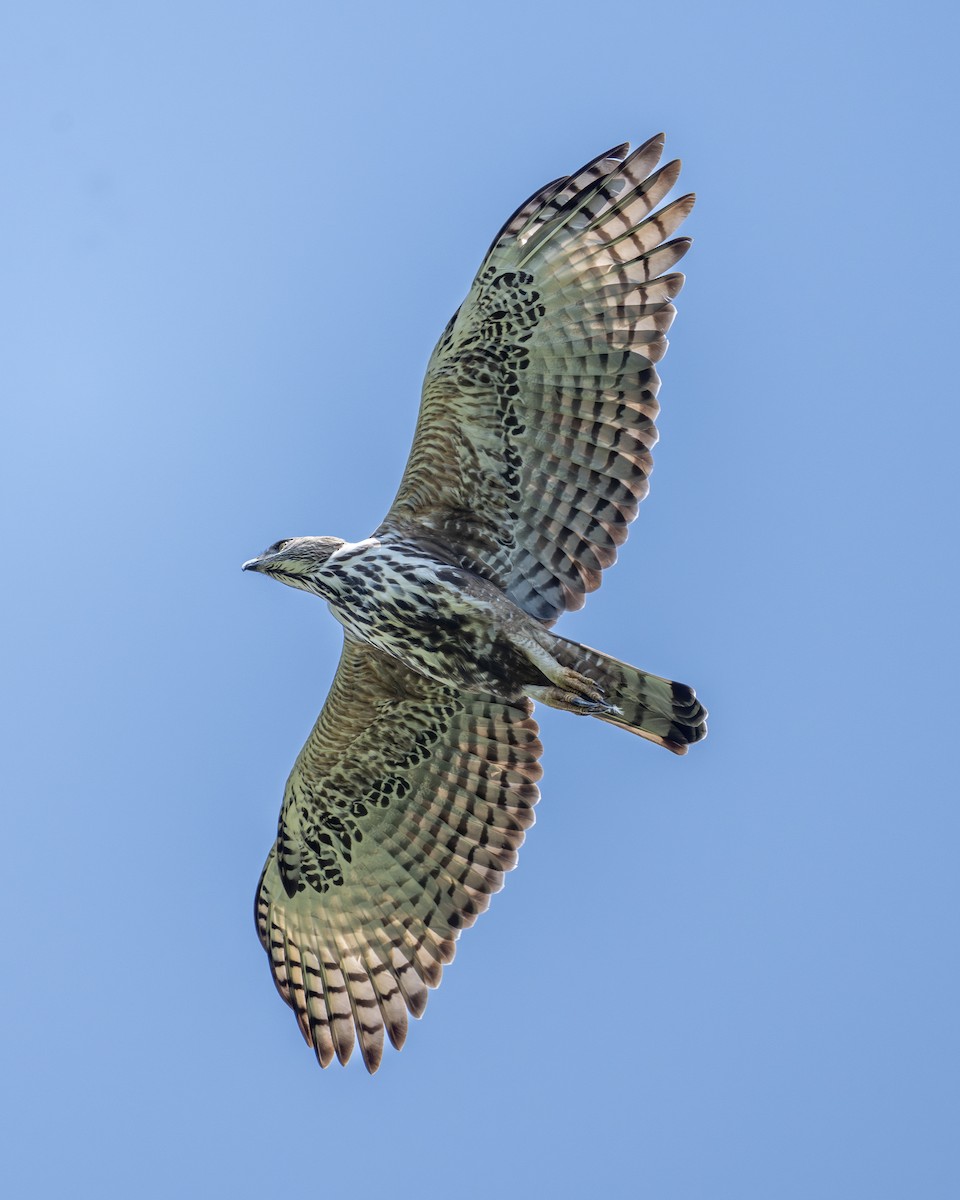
[411,797]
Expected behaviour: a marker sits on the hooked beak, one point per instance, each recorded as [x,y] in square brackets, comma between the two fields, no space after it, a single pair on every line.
[252,564]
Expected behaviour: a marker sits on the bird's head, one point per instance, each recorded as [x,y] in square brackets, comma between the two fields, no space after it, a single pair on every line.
[296,561]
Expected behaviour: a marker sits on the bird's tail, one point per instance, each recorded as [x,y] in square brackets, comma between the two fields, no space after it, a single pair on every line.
[657,709]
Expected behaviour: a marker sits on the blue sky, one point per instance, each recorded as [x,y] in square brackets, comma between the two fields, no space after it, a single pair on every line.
[232,234]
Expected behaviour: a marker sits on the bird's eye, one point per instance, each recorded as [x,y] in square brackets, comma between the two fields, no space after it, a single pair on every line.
[278,546]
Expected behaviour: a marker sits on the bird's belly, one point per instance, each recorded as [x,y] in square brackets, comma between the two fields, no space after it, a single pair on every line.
[438,620]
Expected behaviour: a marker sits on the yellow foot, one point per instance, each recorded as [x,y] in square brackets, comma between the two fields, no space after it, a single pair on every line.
[575,702]
[582,687]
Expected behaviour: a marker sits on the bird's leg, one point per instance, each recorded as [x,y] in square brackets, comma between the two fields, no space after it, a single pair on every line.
[571,690]
[574,702]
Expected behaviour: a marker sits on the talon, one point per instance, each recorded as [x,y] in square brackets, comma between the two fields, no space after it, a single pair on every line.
[574,702]
[573,681]
[580,703]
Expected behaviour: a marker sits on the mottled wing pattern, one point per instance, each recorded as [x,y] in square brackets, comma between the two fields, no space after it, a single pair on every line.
[532,448]
[403,811]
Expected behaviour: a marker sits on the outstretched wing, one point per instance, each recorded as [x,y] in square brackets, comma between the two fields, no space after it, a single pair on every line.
[532,448]
[403,811]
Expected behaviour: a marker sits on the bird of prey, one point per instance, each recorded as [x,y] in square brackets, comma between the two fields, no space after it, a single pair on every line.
[412,794]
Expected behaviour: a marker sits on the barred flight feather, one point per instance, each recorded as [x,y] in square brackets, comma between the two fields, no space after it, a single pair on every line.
[568,313]
[352,959]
